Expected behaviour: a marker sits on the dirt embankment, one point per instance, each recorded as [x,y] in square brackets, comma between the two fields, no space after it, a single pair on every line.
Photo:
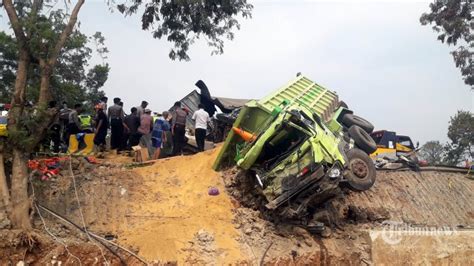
[163,213]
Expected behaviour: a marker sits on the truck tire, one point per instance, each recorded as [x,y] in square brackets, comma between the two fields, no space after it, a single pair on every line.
[350,119]
[361,172]
[362,139]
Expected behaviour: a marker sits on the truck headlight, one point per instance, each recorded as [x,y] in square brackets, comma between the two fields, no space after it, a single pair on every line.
[334,172]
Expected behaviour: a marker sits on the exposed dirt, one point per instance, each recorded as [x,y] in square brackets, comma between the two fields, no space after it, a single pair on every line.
[164,213]
[37,248]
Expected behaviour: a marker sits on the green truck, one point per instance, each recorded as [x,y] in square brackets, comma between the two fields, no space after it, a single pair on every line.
[297,144]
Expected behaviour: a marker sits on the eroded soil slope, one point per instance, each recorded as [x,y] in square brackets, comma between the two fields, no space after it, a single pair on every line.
[164,213]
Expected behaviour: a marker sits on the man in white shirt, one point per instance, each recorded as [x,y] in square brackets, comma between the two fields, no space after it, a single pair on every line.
[201,118]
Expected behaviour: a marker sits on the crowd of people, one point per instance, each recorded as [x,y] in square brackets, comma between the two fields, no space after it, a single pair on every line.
[162,135]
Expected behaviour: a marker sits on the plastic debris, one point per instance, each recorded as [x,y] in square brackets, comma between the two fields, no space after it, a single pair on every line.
[213,191]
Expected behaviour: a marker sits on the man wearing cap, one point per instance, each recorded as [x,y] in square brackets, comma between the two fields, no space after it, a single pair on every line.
[146,126]
[116,116]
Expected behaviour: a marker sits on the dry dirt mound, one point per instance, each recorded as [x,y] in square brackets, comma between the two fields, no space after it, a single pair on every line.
[164,213]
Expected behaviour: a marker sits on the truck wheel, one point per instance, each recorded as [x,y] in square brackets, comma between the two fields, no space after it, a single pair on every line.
[362,139]
[349,120]
[361,173]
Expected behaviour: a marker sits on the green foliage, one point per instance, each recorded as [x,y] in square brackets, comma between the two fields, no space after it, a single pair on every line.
[184,21]
[99,41]
[452,20]
[433,152]
[97,76]
[461,135]
[24,136]
[73,81]
[8,64]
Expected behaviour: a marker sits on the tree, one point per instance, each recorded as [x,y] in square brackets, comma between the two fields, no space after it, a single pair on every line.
[37,40]
[184,21]
[432,152]
[452,21]
[461,135]
[72,81]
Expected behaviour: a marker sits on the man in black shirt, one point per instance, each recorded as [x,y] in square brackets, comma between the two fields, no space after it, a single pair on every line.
[116,117]
[178,128]
[133,122]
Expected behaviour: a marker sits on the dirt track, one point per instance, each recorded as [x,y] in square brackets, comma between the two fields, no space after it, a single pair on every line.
[164,213]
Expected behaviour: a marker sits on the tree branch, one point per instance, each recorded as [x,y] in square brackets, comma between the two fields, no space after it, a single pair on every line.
[48,67]
[15,22]
[37,4]
[65,34]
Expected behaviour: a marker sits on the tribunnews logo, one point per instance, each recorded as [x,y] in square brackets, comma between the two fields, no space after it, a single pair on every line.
[393,233]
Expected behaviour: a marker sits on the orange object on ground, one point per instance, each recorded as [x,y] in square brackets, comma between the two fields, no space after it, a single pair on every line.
[247,136]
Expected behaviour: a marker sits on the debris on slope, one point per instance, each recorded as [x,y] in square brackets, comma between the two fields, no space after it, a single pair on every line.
[165,214]
[201,249]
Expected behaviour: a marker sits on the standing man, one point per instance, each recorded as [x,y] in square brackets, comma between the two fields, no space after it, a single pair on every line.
[201,119]
[146,126]
[74,124]
[167,149]
[103,104]
[101,125]
[178,128]
[64,121]
[133,122]
[141,108]
[116,117]
[158,135]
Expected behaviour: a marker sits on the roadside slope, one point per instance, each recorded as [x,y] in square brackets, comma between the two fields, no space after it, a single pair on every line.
[164,213]
[423,198]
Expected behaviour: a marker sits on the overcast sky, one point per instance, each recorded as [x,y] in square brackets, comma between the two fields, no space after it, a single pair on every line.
[374,54]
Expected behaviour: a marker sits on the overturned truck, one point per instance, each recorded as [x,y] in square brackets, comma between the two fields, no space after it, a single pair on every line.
[297,144]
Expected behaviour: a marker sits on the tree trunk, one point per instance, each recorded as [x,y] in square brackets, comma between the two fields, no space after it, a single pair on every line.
[21,77]
[4,193]
[20,203]
[45,93]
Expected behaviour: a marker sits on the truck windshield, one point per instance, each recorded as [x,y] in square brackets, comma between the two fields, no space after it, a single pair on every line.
[281,144]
